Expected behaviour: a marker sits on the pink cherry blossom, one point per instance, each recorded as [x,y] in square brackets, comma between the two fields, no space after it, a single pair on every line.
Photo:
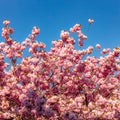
[35,30]
[77,27]
[64,34]
[90,20]
[6,22]
[63,83]
[98,46]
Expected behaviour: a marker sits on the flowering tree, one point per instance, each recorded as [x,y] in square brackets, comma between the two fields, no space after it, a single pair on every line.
[59,84]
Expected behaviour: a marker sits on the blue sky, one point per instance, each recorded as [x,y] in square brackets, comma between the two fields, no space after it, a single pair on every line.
[52,16]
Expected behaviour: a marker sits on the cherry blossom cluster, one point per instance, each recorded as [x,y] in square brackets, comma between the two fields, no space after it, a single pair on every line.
[61,84]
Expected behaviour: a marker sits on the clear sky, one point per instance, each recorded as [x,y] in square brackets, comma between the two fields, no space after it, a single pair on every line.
[52,16]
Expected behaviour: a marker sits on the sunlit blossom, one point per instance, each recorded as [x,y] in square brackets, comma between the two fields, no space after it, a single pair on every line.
[6,22]
[90,20]
[64,83]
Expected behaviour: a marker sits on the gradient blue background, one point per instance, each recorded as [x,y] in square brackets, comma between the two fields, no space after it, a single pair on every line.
[52,16]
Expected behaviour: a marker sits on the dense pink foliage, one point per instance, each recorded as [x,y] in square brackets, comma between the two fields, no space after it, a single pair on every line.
[61,84]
